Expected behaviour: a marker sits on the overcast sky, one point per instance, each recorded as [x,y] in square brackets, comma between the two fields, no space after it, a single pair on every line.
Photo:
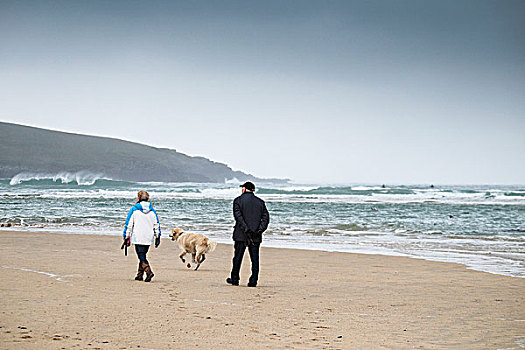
[316,91]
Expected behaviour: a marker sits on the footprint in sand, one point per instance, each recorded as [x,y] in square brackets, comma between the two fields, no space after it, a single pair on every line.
[59,337]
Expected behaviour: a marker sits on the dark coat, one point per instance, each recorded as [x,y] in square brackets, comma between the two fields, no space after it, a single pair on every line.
[250,213]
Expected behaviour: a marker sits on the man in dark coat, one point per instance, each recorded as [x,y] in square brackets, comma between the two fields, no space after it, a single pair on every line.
[251,220]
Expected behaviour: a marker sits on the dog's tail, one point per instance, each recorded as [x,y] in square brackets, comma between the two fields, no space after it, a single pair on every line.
[210,245]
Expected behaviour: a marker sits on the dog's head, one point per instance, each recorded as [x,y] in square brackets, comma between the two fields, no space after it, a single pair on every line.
[175,233]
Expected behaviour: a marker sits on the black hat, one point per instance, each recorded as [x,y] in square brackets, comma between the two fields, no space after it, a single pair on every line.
[249,186]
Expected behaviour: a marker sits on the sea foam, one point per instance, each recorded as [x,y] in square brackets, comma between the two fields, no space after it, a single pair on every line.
[82,178]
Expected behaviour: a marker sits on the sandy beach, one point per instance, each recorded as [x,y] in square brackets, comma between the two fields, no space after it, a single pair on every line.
[77,291]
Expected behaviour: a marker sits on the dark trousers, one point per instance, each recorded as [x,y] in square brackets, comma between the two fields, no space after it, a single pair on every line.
[141,251]
[239,248]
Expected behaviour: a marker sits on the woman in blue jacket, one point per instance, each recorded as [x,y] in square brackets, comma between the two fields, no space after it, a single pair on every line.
[142,228]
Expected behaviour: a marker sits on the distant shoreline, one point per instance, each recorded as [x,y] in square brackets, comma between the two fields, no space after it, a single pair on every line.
[33,150]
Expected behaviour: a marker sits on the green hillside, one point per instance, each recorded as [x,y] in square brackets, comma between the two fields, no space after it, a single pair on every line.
[35,150]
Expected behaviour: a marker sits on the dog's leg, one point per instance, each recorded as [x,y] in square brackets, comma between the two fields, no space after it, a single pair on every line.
[181,256]
[200,259]
[193,258]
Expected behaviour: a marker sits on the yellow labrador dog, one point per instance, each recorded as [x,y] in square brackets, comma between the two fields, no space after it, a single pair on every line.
[194,243]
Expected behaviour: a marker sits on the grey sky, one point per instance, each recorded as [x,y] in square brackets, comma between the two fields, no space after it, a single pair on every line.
[317,91]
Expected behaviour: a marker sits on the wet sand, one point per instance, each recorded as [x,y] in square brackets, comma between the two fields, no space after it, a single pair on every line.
[77,291]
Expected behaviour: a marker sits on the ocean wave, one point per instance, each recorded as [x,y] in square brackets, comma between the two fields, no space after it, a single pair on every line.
[349,227]
[79,178]
[229,194]
[96,186]
[336,190]
[515,194]
[82,178]
[233,181]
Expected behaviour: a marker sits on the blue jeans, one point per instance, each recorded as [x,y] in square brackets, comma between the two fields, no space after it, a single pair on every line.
[141,251]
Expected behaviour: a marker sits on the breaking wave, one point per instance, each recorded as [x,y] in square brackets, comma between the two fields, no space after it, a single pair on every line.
[81,178]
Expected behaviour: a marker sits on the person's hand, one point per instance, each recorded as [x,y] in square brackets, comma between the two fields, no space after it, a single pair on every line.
[249,238]
[157,242]
[126,242]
